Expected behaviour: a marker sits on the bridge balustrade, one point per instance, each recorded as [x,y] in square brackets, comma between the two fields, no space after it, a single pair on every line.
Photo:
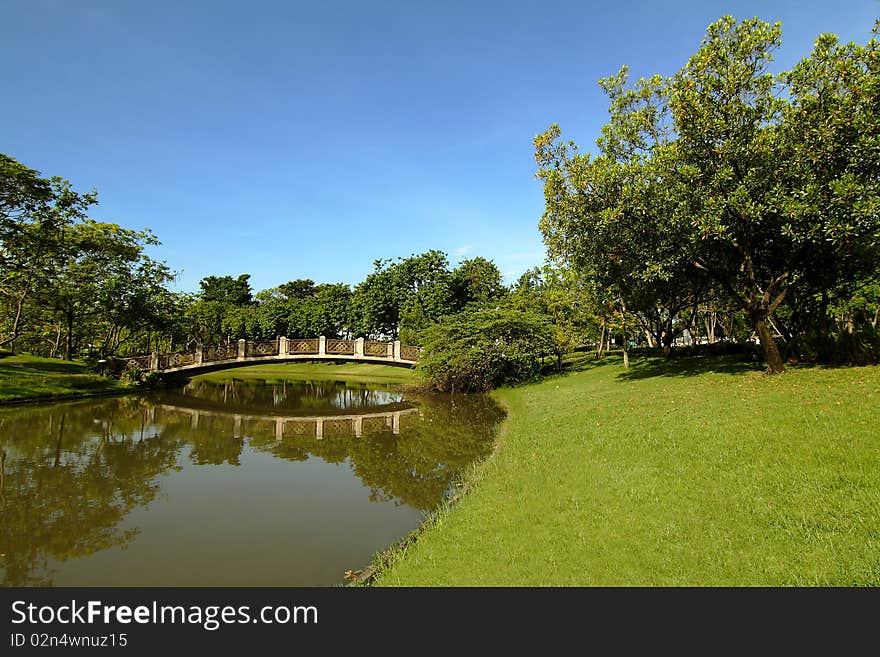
[257,351]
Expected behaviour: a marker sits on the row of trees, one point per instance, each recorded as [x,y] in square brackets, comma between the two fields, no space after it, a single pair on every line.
[70,285]
[398,299]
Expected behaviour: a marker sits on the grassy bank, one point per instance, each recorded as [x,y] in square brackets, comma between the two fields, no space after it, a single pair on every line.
[326,371]
[687,472]
[29,377]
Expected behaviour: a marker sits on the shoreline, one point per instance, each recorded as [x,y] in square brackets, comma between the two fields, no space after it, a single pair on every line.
[70,396]
[385,559]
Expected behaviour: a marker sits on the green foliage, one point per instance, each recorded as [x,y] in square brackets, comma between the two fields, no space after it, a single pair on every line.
[151,379]
[414,289]
[479,350]
[725,181]
[568,301]
[227,290]
[132,373]
[476,281]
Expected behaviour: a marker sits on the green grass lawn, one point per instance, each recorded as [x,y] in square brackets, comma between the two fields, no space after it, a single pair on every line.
[29,377]
[326,371]
[684,472]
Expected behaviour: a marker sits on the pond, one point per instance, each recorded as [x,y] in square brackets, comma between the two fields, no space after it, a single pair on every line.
[226,483]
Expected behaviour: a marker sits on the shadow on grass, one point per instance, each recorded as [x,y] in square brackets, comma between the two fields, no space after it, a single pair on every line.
[64,367]
[653,366]
[579,365]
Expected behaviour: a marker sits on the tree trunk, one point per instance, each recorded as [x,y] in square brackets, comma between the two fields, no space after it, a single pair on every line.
[15,323]
[709,321]
[601,341]
[57,342]
[623,330]
[68,347]
[768,344]
[668,338]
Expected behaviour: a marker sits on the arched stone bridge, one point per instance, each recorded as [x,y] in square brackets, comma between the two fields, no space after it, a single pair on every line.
[249,352]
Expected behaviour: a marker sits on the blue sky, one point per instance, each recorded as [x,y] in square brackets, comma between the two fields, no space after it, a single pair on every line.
[305,140]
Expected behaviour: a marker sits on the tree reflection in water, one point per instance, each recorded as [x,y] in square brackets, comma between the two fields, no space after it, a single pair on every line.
[70,473]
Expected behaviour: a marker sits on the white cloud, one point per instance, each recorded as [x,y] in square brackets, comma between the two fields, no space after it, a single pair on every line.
[459,251]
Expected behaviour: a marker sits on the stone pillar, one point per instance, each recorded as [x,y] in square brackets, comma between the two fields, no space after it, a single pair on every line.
[236,426]
[194,420]
[282,346]
[359,348]
[390,351]
[319,429]
[322,346]
[397,350]
[200,354]
[395,422]
[241,349]
[358,422]
[279,428]
[154,361]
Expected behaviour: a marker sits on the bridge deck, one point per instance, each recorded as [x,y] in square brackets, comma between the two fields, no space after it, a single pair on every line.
[256,360]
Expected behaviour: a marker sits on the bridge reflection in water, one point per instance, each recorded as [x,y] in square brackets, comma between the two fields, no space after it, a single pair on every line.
[309,426]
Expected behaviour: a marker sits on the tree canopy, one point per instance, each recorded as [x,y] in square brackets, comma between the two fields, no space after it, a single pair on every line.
[726,180]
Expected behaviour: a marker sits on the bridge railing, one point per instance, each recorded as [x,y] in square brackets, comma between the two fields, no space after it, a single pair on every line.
[379,349]
[217,352]
[303,346]
[262,348]
[280,347]
[345,347]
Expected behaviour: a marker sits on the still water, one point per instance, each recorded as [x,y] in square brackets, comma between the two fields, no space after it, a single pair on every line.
[230,483]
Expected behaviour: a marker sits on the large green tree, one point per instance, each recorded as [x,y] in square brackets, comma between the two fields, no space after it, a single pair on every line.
[712,171]
[407,294]
[34,211]
[226,289]
[101,281]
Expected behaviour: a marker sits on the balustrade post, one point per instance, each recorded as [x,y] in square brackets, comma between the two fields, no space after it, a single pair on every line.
[397,350]
[242,349]
[322,346]
[282,346]
[200,354]
[154,361]
[359,348]
[389,351]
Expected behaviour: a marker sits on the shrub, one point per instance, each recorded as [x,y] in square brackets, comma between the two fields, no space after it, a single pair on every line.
[474,351]
[858,348]
[132,373]
[151,379]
